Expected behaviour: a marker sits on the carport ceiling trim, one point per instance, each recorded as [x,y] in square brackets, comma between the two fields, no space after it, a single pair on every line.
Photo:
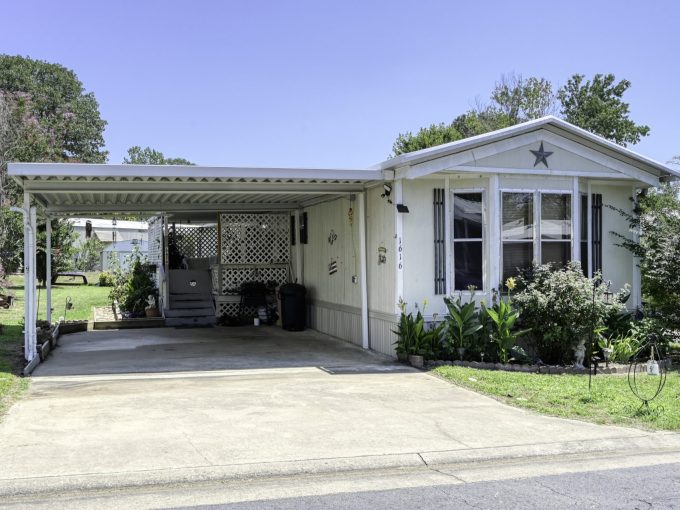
[150,188]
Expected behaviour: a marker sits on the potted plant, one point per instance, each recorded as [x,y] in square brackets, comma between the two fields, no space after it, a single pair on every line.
[415,342]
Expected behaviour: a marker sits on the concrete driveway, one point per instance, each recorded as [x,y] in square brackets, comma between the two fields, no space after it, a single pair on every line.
[163,405]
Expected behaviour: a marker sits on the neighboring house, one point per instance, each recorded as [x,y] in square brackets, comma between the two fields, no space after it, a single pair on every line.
[122,251]
[419,226]
[108,230]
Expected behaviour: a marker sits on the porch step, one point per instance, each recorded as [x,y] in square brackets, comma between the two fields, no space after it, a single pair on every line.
[190,321]
[184,301]
[190,312]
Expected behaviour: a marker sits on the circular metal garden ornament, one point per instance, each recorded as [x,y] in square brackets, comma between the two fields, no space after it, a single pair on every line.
[647,372]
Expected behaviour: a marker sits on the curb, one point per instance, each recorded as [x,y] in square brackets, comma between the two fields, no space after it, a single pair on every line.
[660,442]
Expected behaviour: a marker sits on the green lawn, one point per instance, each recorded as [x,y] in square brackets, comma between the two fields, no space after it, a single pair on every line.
[609,402]
[84,297]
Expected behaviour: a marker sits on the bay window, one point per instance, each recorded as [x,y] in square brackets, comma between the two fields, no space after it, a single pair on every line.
[536,226]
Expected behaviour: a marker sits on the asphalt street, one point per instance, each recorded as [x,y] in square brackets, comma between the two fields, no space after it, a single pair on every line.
[633,488]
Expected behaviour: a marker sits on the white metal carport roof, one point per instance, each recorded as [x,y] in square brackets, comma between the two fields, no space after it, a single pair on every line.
[65,188]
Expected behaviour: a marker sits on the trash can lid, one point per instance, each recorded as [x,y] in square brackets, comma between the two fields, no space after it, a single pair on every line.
[292,289]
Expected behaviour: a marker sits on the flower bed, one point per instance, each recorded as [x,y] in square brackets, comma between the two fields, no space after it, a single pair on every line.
[614,368]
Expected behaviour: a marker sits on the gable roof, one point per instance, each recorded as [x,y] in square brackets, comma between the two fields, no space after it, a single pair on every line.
[550,123]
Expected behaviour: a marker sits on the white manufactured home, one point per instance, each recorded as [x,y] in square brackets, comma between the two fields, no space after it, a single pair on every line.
[419,226]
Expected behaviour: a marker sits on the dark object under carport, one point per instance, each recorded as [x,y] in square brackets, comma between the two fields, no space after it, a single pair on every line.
[293,306]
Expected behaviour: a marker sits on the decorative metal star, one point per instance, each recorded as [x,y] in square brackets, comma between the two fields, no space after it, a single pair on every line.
[541,156]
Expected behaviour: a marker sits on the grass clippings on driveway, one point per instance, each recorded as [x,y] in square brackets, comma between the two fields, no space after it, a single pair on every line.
[567,396]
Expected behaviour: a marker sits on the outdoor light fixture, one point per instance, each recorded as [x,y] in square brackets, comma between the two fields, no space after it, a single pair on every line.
[387,191]
[402,208]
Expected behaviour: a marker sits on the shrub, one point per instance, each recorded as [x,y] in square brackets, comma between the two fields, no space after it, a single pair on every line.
[562,307]
[138,289]
[413,337]
[106,279]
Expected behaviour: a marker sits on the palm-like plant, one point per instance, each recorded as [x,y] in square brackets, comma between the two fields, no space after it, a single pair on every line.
[462,323]
[504,317]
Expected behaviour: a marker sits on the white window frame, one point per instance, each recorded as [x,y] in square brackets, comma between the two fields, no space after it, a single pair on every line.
[483,239]
[536,239]
[539,251]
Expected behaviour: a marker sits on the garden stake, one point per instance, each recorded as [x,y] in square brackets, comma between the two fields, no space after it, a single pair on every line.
[67,306]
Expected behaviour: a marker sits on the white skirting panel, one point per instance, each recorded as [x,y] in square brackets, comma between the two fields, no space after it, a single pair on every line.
[340,321]
[381,327]
[344,322]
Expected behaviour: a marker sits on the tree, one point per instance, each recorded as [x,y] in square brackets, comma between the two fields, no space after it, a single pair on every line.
[598,107]
[435,134]
[521,100]
[57,102]
[513,100]
[656,222]
[45,115]
[89,255]
[63,251]
[148,156]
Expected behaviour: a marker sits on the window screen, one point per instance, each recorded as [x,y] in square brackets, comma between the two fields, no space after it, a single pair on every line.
[555,228]
[468,240]
[517,232]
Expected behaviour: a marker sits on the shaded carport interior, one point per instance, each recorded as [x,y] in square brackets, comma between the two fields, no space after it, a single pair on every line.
[184,193]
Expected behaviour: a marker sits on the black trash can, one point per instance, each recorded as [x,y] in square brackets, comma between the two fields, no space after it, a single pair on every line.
[293,306]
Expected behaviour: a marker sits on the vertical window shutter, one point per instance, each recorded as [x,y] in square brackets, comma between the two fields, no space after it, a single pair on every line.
[597,233]
[439,242]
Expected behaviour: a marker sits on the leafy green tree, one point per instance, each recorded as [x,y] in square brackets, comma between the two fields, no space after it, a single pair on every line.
[63,248]
[89,255]
[598,107]
[522,99]
[45,115]
[513,100]
[435,134]
[656,245]
[472,123]
[56,101]
[148,156]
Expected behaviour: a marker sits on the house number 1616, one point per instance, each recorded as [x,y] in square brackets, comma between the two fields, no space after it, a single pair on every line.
[400,250]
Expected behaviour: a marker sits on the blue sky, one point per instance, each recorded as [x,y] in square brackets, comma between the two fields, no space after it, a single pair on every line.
[331,84]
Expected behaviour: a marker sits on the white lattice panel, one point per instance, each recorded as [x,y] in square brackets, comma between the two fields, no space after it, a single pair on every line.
[233,277]
[232,308]
[255,238]
[155,241]
[197,242]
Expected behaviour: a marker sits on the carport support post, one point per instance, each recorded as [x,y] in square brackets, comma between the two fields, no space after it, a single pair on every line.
[48,269]
[29,279]
[298,250]
[365,340]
